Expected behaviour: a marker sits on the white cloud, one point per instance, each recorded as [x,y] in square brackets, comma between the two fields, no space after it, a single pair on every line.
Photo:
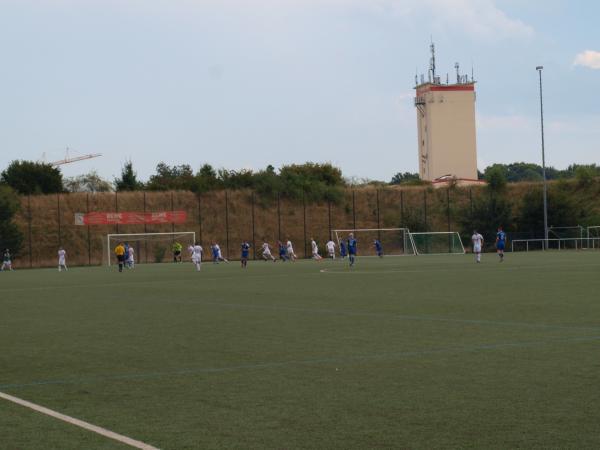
[588,58]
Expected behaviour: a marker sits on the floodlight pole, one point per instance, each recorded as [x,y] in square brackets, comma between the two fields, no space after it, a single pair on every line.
[539,69]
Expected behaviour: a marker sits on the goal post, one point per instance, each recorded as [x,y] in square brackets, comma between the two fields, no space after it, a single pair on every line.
[438,243]
[592,235]
[148,247]
[394,241]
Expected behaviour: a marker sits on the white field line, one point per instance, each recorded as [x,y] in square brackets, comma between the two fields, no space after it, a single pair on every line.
[79,423]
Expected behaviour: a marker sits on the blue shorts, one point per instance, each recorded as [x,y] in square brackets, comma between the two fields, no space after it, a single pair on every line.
[500,245]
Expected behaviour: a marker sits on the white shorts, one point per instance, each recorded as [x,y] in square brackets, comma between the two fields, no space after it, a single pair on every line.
[61,262]
[477,249]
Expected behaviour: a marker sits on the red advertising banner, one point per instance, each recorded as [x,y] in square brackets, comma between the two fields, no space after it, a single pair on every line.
[130,218]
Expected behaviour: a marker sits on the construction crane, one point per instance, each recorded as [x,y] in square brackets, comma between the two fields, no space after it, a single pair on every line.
[67,159]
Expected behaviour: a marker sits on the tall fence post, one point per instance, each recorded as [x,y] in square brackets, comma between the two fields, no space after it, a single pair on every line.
[401,208]
[378,216]
[89,237]
[227,222]
[448,206]
[29,231]
[58,214]
[116,210]
[329,217]
[425,208]
[253,230]
[304,218]
[278,216]
[172,209]
[200,218]
[145,231]
[353,209]
[471,200]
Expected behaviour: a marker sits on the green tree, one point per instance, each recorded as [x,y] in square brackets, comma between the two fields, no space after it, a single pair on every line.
[318,182]
[172,178]
[128,180]
[90,182]
[206,179]
[28,177]
[406,178]
[562,210]
[10,235]
[496,180]
[489,211]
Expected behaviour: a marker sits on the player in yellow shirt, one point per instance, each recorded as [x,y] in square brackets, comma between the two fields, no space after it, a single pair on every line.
[120,254]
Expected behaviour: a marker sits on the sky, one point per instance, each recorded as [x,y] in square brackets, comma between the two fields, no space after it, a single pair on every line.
[241,84]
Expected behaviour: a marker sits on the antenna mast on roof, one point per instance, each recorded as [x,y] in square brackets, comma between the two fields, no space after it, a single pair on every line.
[432,62]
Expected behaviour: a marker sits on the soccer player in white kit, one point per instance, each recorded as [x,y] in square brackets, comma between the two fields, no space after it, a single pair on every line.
[290,250]
[62,259]
[315,250]
[266,252]
[130,257]
[197,256]
[330,248]
[477,240]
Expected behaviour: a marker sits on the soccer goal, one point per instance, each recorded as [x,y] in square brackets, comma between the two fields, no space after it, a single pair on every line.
[394,241]
[148,247]
[593,237]
[438,243]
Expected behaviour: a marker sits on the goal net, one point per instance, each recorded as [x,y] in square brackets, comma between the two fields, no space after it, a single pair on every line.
[593,237]
[148,247]
[437,243]
[394,241]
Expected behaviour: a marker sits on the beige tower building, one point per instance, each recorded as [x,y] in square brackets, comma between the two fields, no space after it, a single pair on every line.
[446,126]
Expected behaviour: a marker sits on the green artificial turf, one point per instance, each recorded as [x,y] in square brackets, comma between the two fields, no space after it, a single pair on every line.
[410,352]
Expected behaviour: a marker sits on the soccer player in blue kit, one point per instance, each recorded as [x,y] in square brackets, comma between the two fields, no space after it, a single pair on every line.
[500,243]
[245,254]
[378,248]
[343,249]
[351,249]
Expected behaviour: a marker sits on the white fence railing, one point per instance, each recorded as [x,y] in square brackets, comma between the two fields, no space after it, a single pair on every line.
[583,243]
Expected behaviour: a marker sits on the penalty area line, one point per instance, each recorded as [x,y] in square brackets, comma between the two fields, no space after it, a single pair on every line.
[79,423]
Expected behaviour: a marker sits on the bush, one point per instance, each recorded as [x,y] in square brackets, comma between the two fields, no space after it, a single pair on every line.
[28,177]
[10,235]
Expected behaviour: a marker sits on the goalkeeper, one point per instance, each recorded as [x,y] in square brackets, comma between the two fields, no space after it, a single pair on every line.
[177,248]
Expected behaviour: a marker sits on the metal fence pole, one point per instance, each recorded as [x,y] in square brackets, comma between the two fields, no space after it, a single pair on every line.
[329,217]
[304,218]
[253,230]
[378,216]
[145,231]
[172,209]
[471,200]
[227,222]
[278,216]
[448,206]
[353,210]
[425,208]
[58,214]
[401,208]
[116,210]
[200,218]
[29,231]
[89,238]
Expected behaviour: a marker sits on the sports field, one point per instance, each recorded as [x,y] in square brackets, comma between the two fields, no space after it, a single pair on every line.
[408,352]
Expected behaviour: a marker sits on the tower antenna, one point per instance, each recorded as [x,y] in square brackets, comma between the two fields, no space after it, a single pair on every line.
[432,61]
